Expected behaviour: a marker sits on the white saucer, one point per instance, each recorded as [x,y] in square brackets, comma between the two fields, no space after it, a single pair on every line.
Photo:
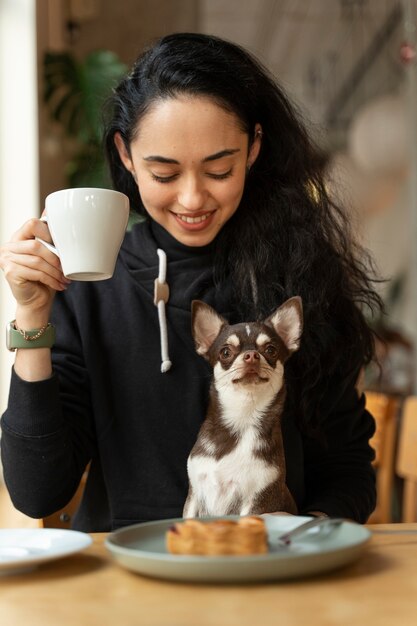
[23,549]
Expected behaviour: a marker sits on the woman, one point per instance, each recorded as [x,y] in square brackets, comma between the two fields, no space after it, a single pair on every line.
[212,155]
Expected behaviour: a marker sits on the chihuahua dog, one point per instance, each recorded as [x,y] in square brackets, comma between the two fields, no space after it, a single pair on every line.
[237,465]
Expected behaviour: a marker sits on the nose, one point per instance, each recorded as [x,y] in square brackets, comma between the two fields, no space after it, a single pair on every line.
[251,356]
[192,195]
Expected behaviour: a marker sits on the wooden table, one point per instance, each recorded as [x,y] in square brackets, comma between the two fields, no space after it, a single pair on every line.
[88,589]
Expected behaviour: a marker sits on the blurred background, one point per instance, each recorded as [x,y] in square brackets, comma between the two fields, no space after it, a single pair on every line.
[348,65]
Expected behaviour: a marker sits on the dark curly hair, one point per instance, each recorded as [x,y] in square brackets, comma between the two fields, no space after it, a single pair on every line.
[287,237]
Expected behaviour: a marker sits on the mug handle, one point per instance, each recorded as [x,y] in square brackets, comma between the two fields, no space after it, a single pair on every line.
[45,243]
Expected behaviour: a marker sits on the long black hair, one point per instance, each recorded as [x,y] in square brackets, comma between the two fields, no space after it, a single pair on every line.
[287,237]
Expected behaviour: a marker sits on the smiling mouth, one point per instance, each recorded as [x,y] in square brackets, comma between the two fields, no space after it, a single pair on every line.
[193,220]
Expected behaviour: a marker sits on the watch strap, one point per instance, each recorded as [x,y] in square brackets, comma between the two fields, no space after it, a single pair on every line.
[36,338]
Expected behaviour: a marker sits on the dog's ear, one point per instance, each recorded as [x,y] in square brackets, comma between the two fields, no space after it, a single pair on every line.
[287,321]
[206,324]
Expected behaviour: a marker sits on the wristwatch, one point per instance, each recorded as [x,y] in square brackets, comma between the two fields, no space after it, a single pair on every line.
[38,338]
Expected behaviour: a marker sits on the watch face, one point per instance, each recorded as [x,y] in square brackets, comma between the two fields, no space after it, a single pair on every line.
[9,341]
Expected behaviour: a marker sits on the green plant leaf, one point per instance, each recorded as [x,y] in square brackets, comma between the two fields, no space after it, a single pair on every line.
[75,92]
[62,90]
[100,72]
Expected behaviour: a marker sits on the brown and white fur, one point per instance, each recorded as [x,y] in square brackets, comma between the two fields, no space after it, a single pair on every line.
[237,465]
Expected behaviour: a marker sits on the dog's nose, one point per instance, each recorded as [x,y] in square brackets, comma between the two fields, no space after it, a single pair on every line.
[251,356]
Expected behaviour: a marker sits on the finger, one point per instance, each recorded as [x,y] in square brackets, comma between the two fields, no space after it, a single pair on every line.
[31,254]
[36,263]
[30,247]
[31,229]
[280,513]
[19,274]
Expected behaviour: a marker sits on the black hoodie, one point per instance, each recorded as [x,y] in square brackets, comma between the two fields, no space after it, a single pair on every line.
[109,403]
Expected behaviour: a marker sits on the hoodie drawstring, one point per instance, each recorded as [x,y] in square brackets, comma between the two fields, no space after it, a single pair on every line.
[161,296]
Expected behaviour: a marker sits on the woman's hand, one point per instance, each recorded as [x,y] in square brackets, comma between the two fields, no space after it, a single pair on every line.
[276,513]
[33,272]
[311,513]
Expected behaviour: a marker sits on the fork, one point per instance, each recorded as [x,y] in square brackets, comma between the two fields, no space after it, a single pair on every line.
[322,523]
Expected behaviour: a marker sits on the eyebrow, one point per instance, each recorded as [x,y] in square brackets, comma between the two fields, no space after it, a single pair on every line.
[211,157]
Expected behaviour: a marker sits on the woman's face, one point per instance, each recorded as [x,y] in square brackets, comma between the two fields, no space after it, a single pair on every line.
[189,158]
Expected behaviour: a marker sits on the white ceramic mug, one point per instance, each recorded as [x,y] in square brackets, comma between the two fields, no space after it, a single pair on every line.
[87,227]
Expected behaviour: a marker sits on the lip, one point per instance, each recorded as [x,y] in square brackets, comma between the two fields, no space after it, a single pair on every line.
[251,377]
[194,226]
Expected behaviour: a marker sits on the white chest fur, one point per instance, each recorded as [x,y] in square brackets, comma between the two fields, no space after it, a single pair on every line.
[237,477]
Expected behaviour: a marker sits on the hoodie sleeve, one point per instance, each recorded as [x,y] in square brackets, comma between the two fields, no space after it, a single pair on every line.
[47,432]
[339,476]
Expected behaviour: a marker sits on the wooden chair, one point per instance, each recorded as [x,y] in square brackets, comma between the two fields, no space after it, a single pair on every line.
[63,517]
[407,458]
[384,409]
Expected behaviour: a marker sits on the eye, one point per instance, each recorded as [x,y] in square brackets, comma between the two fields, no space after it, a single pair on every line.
[163,179]
[220,176]
[225,352]
[270,350]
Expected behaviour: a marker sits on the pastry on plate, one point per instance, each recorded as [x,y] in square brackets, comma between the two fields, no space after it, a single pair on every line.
[247,535]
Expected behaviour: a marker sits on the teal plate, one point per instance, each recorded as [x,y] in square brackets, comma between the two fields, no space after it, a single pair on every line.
[141,548]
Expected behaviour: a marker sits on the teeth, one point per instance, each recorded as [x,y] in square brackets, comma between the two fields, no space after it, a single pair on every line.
[193,220]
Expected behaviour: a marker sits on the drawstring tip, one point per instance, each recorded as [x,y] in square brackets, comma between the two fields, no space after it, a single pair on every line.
[165,366]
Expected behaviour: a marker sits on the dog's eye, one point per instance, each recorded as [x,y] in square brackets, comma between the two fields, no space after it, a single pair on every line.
[270,350]
[225,353]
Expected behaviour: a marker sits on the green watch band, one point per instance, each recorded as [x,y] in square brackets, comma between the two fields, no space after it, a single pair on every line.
[37,338]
